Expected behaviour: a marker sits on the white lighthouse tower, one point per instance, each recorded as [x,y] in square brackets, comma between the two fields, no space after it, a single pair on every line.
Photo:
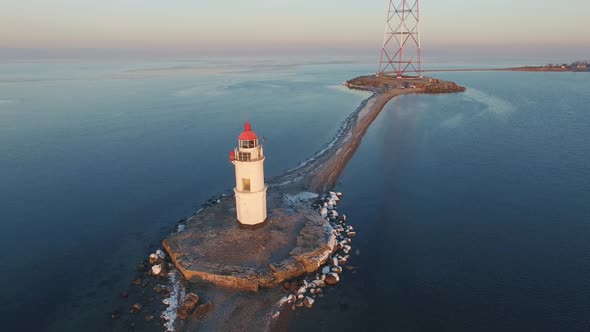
[250,189]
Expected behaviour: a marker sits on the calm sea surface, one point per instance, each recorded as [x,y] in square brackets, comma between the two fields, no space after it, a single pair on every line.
[473,210]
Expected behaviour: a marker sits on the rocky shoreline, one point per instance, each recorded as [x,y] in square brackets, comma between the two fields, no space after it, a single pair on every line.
[304,291]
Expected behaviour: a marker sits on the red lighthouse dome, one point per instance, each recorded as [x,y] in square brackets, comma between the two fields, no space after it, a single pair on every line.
[247,134]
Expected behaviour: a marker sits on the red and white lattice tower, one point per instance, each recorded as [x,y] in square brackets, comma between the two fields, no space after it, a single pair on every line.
[400,54]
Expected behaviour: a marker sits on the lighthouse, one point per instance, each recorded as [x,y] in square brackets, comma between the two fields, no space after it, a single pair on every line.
[250,190]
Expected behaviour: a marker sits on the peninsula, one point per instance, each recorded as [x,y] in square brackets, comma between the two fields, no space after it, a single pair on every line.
[577,66]
[215,254]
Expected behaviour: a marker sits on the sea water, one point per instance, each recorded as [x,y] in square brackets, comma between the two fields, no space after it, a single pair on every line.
[98,160]
[472,209]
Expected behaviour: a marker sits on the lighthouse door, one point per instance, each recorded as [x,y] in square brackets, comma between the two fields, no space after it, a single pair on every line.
[245,184]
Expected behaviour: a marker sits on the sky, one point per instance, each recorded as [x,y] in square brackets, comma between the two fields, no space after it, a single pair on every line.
[210,26]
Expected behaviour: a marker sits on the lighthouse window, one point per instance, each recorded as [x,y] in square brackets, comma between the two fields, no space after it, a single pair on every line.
[244,156]
[245,184]
[248,144]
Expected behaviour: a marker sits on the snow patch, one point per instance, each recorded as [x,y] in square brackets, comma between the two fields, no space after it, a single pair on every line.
[177,294]
[299,198]
[342,133]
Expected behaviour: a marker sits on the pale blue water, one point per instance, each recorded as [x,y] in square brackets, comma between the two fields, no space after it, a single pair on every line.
[472,209]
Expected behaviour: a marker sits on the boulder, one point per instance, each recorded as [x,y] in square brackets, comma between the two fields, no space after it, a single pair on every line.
[319,283]
[308,301]
[157,269]
[337,269]
[335,261]
[202,310]
[332,278]
[153,259]
[160,254]
[135,308]
[187,305]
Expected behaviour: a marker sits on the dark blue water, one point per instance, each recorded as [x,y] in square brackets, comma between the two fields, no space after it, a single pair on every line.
[473,212]
[99,160]
[472,209]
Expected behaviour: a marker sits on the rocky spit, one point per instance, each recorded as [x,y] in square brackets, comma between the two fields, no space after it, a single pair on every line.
[320,172]
[218,276]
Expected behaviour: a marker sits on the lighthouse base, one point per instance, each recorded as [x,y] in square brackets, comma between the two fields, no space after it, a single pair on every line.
[254,226]
[251,207]
[214,248]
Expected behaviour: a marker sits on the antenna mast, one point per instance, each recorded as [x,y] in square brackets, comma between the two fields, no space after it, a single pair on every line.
[400,54]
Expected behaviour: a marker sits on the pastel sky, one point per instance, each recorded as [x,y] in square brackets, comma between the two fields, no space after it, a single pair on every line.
[205,25]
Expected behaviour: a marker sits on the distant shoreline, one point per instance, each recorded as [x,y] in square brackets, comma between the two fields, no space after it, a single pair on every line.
[537,69]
